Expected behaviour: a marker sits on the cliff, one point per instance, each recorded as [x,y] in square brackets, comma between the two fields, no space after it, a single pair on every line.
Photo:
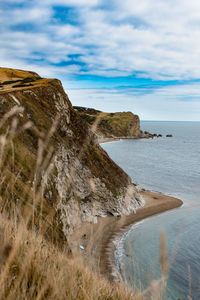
[52,167]
[107,125]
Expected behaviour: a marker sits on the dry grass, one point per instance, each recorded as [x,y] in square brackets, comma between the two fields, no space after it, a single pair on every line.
[30,266]
[13,74]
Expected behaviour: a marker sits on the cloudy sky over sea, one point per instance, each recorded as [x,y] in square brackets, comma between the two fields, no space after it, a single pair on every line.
[137,55]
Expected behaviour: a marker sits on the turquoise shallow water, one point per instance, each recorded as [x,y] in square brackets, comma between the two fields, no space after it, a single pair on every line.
[171,166]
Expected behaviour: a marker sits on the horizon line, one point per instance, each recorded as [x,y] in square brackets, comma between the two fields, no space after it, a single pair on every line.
[169,120]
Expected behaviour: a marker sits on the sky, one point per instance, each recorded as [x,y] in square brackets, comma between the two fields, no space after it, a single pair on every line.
[132,55]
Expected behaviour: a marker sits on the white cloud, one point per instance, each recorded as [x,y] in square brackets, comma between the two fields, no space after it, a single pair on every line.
[170,103]
[160,38]
[156,39]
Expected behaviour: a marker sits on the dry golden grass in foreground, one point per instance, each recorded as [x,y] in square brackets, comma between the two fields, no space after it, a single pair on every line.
[32,268]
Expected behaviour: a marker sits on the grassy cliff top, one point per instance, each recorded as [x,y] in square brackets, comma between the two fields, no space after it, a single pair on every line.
[116,124]
[14,74]
[95,112]
[14,79]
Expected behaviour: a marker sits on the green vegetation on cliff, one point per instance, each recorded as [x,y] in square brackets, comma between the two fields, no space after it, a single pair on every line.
[58,171]
[53,177]
[118,124]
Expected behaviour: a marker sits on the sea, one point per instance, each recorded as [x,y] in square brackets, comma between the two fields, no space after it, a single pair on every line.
[170,165]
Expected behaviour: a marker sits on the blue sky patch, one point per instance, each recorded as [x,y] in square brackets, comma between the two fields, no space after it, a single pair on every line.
[66,15]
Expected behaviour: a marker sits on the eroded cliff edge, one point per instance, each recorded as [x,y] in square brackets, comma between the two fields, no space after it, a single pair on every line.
[84,182]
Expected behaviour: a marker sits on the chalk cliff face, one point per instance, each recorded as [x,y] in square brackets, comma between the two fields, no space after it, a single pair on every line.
[82,183]
[118,124]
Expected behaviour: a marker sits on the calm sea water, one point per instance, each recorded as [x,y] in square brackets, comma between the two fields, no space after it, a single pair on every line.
[171,166]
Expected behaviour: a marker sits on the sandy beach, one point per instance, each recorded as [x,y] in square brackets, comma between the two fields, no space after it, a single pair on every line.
[97,239]
[107,140]
[115,139]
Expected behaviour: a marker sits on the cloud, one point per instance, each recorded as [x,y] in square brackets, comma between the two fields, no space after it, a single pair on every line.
[74,39]
[159,38]
[166,103]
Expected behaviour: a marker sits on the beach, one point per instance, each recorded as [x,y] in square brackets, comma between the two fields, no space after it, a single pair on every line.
[115,139]
[96,240]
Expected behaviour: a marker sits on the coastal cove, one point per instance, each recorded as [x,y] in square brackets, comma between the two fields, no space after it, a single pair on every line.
[97,239]
[169,166]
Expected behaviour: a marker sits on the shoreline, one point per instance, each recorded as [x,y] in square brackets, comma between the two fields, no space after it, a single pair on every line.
[98,239]
[155,204]
[107,140]
[115,139]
